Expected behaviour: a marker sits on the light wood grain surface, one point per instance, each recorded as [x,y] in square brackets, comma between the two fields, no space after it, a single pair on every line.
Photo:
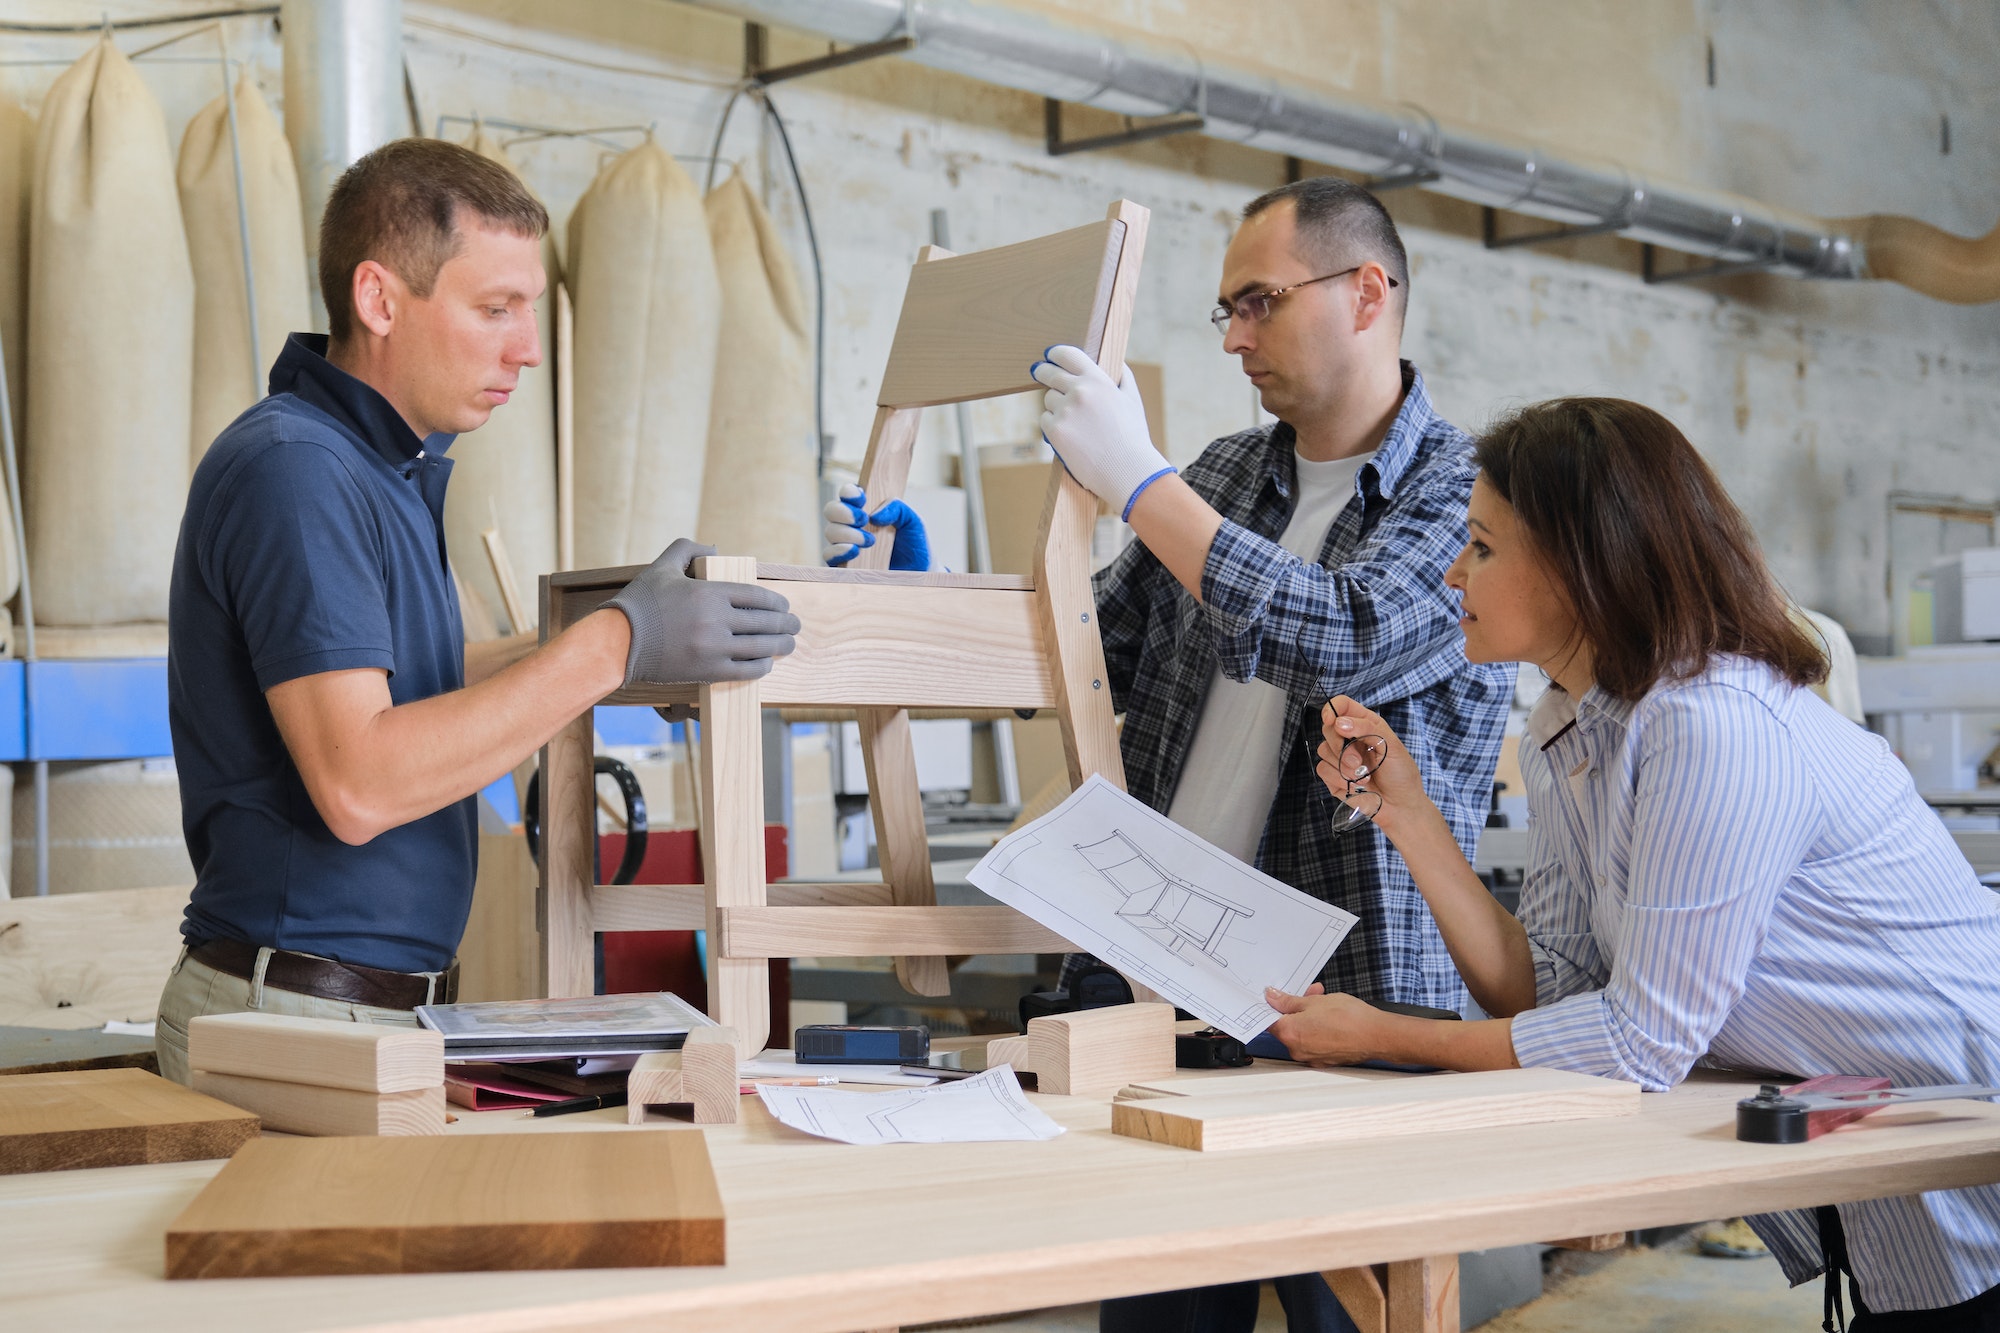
[865,932]
[76,960]
[1348,1113]
[329,1053]
[301,1108]
[830,1238]
[291,1207]
[1096,1051]
[86,1118]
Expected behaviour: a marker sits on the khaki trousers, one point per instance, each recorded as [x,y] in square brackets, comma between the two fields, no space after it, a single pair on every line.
[194,988]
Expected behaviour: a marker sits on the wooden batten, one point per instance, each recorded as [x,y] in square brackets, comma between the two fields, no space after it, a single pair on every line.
[301,1108]
[866,932]
[324,1052]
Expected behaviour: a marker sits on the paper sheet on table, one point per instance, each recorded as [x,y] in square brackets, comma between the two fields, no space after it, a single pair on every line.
[1120,879]
[986,1108]
[785,1064]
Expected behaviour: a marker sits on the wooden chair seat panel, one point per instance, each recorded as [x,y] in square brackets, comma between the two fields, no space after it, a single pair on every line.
[973,324]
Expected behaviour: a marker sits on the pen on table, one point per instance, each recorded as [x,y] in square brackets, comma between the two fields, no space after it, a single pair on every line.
[590,1103]
[823,1081]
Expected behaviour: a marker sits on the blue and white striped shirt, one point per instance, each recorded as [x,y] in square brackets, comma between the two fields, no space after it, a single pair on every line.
[1730,873]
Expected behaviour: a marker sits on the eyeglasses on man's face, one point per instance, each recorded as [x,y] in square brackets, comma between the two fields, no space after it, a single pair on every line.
[1255,307]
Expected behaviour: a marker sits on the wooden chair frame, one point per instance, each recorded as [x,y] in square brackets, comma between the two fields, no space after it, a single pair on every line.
[881,643]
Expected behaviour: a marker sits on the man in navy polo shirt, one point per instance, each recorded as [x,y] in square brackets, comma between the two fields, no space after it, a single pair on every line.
[330,725]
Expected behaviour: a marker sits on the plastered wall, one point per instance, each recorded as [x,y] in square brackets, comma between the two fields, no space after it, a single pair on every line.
[1815,401]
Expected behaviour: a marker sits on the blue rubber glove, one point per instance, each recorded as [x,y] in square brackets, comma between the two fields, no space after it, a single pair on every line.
[848,521]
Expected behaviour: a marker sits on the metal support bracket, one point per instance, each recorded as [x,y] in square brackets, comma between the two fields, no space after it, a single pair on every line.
[1490,232]
[1156,129]
[1652,274]
[754,46]
[1401,180]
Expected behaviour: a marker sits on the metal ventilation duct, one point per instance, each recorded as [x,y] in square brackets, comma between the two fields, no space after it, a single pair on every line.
[1138,77]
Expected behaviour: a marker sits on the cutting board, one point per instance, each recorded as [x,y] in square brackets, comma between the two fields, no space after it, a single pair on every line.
[457,1203]
[111,1117]
[1350,1111]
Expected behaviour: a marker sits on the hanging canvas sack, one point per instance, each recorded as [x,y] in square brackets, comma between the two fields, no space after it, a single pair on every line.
[110,338]
[760,490]
[17,160]
[229,376]
[504,473]
[642,276]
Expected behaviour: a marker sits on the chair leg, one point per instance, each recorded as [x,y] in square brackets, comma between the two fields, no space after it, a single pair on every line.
[732,835]
[569,835]
[898,810]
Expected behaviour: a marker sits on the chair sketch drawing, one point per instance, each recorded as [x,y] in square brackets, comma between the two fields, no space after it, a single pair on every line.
[1159,902]
[882,645]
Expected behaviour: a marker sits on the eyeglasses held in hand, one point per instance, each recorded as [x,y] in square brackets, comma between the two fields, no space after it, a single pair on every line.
[1255,307]
[1357,759]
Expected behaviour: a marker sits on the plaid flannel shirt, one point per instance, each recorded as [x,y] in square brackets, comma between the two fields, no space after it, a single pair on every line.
[1372,619]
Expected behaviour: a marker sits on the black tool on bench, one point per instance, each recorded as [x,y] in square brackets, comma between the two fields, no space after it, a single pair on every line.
[1820,1105]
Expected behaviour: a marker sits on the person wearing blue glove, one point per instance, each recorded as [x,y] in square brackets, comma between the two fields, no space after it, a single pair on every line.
[847,534]
[1283,566]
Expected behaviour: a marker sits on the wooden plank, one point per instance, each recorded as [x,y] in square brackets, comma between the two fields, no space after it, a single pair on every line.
[865,932]
[55,1050]
[565,429]
[1441,1103]
[500,955]
[684,906]
[568,863]
[79,960]
[300,1108]
[893,578]
[885,472]
[1598,1244]
[1423,1295]
[1095,1051]
[1213,1083]
[111,1117]
[325,1052]
[732,837]
[897,807]
[1359,1291]
[292,1207]
[700,1075]
[972,325]
[861,645]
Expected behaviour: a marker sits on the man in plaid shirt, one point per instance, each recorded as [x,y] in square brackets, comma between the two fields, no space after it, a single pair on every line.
[1293,562]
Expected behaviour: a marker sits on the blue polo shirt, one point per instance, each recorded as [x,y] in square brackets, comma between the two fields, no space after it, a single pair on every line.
[313,541]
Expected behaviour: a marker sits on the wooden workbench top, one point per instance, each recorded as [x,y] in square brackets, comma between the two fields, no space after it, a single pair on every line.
[824,1236]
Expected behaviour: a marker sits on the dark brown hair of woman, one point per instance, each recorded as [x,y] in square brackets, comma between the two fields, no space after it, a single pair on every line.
[1658,562]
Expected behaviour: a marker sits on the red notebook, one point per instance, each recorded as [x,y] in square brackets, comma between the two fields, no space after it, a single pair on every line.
[489,1087]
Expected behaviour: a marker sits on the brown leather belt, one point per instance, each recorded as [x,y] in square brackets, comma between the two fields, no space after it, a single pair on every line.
[327,979]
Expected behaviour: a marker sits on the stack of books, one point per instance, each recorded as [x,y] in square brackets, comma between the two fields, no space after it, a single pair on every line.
[522,1053]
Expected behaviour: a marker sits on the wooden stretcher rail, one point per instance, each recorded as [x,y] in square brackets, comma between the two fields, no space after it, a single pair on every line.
[918,647]
[584,581]
[864,932]
[681,906]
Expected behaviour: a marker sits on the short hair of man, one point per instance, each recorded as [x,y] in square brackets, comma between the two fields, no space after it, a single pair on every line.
[1340,223]
[400,206]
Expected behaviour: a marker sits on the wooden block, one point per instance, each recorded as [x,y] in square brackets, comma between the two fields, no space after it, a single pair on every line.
[454,1203]
[324,1052]
[111,1117]
[1438,1103]
[1098,1051]
[1610,1240]
[301,1108]
[701,1074]
[1013,1051]
[1423,1294]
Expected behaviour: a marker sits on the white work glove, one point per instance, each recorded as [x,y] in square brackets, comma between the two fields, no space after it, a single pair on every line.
[1097,428]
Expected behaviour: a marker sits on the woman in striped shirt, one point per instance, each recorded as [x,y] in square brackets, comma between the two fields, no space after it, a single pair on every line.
[1722,870]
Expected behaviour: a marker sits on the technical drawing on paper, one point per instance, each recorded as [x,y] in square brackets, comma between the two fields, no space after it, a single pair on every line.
[1166,908]
[1159,902]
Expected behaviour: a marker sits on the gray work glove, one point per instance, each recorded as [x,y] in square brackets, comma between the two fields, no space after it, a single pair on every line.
[688,630]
